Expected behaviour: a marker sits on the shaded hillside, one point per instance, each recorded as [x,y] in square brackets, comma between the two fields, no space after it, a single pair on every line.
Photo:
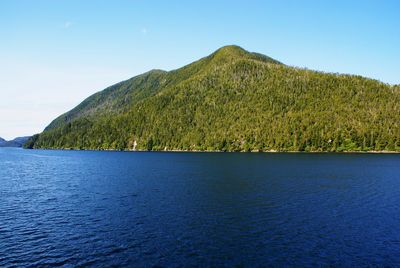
[17,142]
[233,100]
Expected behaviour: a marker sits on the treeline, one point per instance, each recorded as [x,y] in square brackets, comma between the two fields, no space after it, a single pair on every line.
[241,102]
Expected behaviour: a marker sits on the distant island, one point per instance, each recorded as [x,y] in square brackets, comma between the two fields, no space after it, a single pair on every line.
[233,100]
[17,142]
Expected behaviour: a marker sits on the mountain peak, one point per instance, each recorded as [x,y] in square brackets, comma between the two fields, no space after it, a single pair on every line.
[231,49]
[232,100]
[232,52]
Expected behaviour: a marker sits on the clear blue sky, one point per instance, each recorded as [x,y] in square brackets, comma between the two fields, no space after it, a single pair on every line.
[53,54]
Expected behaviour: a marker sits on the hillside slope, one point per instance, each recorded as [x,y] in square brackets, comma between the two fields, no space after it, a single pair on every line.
[233,100]
[17,142]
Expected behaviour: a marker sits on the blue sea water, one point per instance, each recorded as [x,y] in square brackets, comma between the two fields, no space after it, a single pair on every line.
[86,208]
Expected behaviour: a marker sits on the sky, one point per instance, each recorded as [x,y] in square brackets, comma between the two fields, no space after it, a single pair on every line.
[54,54]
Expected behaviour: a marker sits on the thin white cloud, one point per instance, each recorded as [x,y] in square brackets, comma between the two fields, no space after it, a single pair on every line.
[144,31]
[67,24]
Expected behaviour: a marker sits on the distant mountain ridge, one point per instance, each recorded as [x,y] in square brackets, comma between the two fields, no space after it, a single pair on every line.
[233,100]
[17,142]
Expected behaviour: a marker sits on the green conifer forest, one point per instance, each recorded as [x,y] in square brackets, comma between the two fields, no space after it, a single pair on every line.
[233,100]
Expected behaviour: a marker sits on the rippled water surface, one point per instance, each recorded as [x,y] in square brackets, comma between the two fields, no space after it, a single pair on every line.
[72,208]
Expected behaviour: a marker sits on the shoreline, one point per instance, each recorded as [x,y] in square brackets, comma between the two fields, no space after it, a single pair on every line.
[217,151]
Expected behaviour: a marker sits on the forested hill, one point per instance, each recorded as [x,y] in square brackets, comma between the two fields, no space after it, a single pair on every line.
[17,142]
[233,100]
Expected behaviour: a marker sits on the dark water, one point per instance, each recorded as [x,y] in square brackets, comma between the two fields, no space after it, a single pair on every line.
[68,208]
